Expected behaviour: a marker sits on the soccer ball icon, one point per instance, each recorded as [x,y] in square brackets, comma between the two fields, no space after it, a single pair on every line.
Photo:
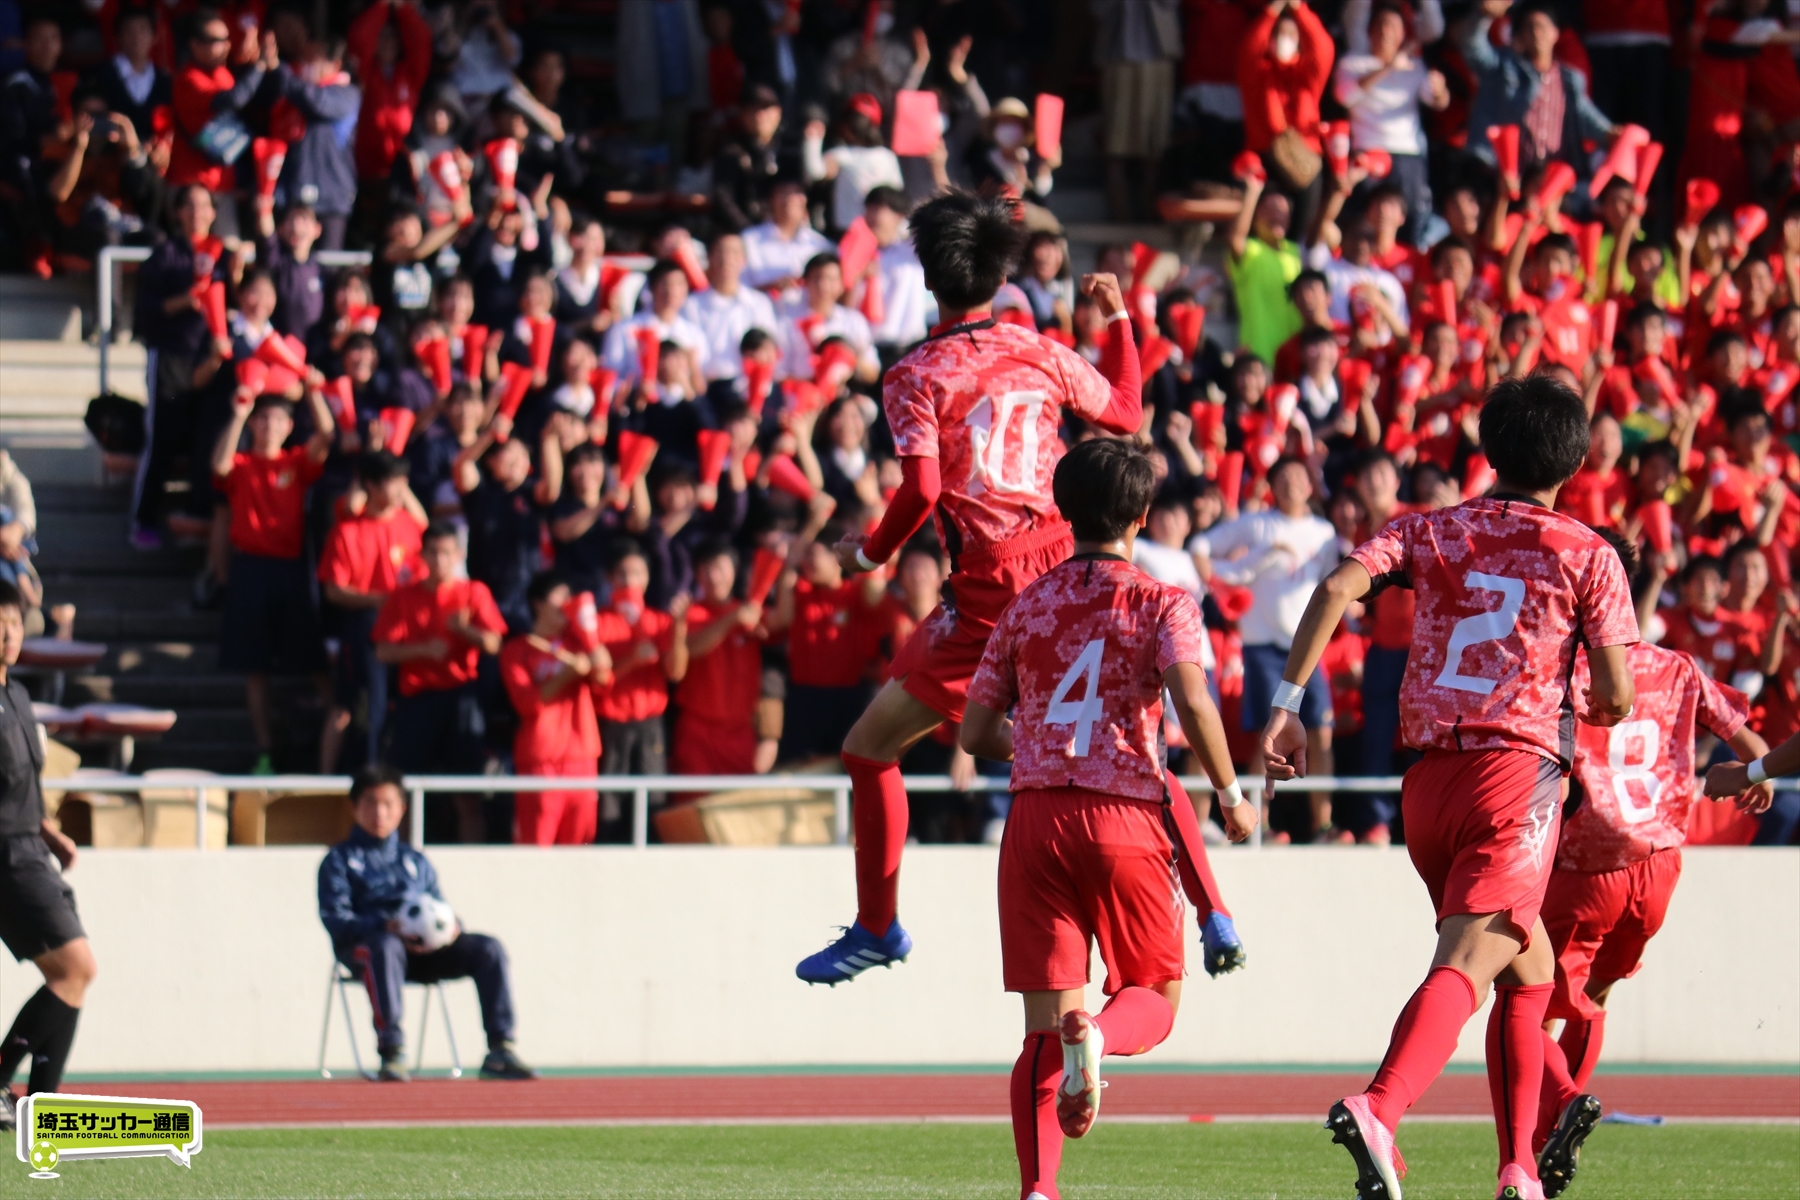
[44,1156]
[428,920]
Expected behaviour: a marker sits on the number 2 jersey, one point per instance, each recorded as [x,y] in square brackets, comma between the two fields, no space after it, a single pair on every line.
[1505,590]
[1079,657]
[987,404]
[1637,777]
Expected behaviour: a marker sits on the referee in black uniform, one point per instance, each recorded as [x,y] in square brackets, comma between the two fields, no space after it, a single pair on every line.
[37,908]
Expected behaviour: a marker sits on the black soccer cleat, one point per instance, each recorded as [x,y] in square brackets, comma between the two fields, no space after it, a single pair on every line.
[1375,1179]
[1562,1153]
[504,1064]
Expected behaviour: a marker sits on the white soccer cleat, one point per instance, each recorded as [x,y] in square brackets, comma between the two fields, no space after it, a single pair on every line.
[1078,1095]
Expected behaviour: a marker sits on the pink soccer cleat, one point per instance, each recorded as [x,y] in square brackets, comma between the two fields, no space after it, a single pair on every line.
[1515,1184]
[1078,1095]
[1371,1144]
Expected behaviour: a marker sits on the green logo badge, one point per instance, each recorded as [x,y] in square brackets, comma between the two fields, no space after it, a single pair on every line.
[55,1127]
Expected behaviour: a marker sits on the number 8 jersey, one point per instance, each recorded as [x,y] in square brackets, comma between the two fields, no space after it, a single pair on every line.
[1506,589]
[1637,777]
[1081,654]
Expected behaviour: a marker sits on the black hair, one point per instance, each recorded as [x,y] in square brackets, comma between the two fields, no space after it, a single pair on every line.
[10,597]
[1310,275]
[1738,404]
[1316,335]
[623,548]
[1286,461]
[438,530]
[361,341]
[269,400]
[824,258]
[1627,552]
[586,452]
[1617,182]
[890,198]
[1104,487]
[1664,449]
[1723,338]
[133,13]
[1534,432]
[460,391]
[1556,241]
[1703,562]
[379,466]
[1739,549]
[1523,12]
[967,245]
[662,268]
[256,275]
[715,547]
[755,338]
[1642,315]
[1440,251]
[370,776]
[674,472]
[541,585]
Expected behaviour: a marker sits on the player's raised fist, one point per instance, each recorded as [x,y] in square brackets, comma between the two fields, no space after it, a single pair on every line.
[1103,288]
[1240,821]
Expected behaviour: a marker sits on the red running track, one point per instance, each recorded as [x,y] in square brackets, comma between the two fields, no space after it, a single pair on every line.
[878,1097]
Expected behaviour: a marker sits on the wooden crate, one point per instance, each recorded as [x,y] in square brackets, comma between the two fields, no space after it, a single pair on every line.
[753,817]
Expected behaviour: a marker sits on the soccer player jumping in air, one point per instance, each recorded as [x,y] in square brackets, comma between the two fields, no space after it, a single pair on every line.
[1617,863]
[976,412]
[1506,588]
[1082,658]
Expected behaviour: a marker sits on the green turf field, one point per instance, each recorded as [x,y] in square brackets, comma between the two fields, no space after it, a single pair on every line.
[1139,1161]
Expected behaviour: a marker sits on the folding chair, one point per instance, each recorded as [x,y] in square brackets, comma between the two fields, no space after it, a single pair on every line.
[341,977]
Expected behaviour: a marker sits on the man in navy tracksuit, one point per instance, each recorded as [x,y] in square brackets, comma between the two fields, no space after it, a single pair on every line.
[363,882]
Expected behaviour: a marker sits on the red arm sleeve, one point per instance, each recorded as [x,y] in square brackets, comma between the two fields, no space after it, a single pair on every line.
[415,42]
[1119,364]
[359,39]
[919,489]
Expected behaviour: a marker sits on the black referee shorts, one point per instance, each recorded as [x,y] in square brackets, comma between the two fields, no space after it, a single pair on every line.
[37,906]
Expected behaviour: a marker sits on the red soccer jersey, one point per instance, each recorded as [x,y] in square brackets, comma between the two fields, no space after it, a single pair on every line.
[1720,645]
[1505,589]
[724,684]
[987,404]
[826,645]
[417,612]
[373,555]
[1081,653]
[551,731]
[1637,778]
[268,501]
[639,689]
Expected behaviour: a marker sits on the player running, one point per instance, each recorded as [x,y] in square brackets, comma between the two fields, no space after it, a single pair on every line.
[1082,658]
[1506,587]
[1617,863]
[976,412]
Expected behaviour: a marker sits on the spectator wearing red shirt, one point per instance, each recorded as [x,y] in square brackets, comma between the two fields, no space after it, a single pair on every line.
[826,617]
[270,623]
[208,101]
[1701,629]
[648,647]
[1600,493]
[549,677]
[391,46]
[715,729]
[367,555]
[436,630]
[1284,65]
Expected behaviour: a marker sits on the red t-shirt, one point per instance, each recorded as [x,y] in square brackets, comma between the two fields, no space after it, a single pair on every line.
[373,555]
[639,689]
[724,684]
[987,404]
[1720,645]
[1637,777]
[192,101]
[1600,501]
[551,732]
[826,644]
[268,501]
[1505,589]
[417,613]
[1568,326]
[1081,653]
[1342,664]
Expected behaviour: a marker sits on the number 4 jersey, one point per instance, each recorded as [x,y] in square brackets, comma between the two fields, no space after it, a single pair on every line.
[1506,589]
[1637,777]
[1079,657]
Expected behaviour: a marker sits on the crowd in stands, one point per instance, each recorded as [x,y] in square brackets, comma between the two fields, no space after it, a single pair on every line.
[514,497]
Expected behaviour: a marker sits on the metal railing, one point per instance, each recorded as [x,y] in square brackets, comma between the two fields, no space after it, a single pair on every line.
[113,258]
[640,787]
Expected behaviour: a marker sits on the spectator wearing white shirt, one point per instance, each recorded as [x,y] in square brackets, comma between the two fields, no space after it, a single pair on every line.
[777,251]
[857,165]
[808,321]
[668,289]
[727,310]
[1161,553]
[908,310]
[1382,90]
[1280,554]
[1363,293]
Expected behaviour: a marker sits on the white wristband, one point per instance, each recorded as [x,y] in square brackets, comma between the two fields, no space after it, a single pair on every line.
[862,560]
[1232,796]
[1288,695]
[1121,315]
[1756,771]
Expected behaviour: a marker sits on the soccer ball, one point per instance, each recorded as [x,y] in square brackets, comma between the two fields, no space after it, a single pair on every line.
[44,1156]
[429,921]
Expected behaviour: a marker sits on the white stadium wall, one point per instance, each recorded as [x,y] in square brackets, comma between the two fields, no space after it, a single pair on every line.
[684,957]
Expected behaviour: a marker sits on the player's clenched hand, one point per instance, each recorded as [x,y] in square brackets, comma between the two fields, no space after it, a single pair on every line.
[1757,800]
[1240,821]
[1284,749]
[846,550]
[1727,779]
[1103,289]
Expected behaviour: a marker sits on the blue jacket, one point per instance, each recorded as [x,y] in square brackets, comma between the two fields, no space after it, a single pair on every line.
[363,881]
[320,169]
[1505,87]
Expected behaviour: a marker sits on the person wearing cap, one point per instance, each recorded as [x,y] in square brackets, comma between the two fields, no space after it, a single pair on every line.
[859,162]
[1004,158]
[746,166]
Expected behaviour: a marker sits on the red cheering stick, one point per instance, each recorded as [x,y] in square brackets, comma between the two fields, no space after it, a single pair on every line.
[1559,181]
[759,380]
[635,450]
[1478,476]
[1622,159]
[271,156]
[1188,320]
[1593,508]
[1208,419]
[474,341]
[1656,371]
[1375,163]
[856,250]
[715,448]
[211,296]
[515,381]
[1609,323]
[836,364]
[689,262]
[1154,354]
[446,172]
[433,354]
[1143,261]
[801,396]
[1231,480]
[1659,525]
[785,475]
[1649,158]
[543,342]
[363,318]
[649,348]
[584,622]
[1446,301]
[340,397]
[396,426]
[288,353]
[605,382]
[1587,241]
[1409,383]
[1702,195]
[873,304]
[503,160]
[1747,224]
[1337,147]
[1248,166]
[765,569]
[252,376]
[1505,140]
[1047,123]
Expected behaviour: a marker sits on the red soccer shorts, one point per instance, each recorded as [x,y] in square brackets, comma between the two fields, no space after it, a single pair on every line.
[1600,923]
[1079,867]
[568,818]
[1481,829]
[940,658]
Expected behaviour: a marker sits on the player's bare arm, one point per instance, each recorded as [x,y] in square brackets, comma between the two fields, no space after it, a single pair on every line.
[986,733]
[1284,741]
[1186,685]
[1613,692]
[1733,779]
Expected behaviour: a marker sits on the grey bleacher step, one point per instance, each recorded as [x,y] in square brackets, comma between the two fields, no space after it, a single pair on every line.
[87,591]
[110,624]
[43,309]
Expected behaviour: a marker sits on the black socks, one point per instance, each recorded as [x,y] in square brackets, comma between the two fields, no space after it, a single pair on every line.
[44,1029]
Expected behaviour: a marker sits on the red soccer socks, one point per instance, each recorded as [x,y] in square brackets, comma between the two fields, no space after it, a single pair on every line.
[1557,1090]
[1036,1135]
[1424,1038]
[880,817]
[1580,1042]
[1515,1065]
[1134,1021]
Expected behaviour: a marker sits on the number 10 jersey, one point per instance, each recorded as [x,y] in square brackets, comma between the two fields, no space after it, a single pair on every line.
[1506,589]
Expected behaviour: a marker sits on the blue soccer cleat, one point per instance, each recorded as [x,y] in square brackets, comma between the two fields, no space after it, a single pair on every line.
[1222,949]
[854,953]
